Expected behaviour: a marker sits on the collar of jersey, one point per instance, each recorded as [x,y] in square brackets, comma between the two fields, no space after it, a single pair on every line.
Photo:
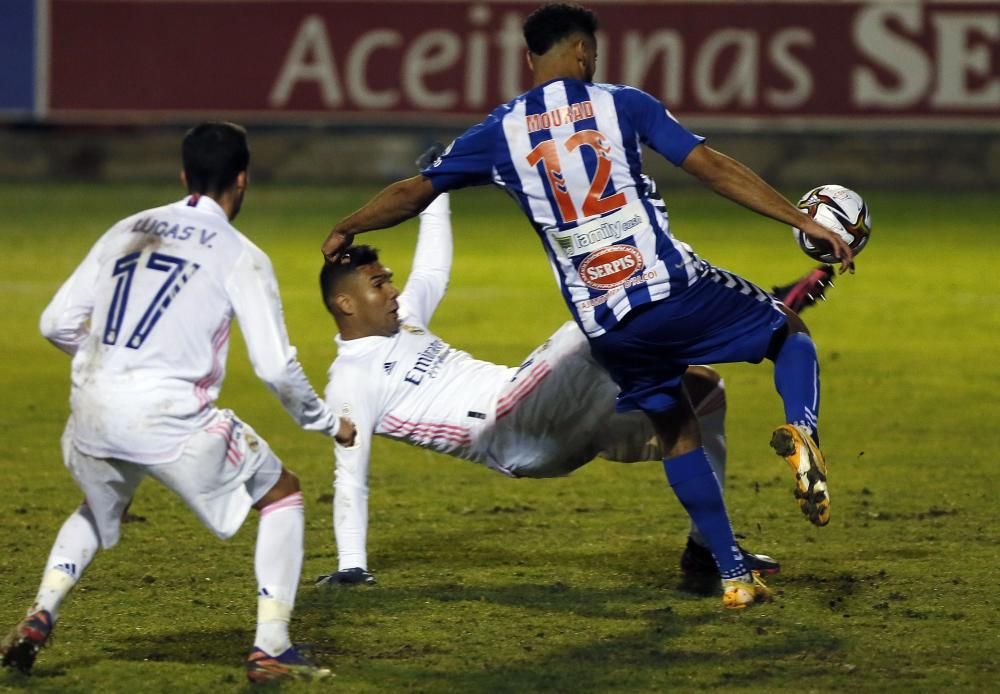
[207,205]
[358,345]
[558,79]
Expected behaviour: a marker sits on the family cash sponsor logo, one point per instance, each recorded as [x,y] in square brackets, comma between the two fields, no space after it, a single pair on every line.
[610,267]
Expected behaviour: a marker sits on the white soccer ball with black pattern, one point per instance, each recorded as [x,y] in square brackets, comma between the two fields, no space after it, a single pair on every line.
[839,209]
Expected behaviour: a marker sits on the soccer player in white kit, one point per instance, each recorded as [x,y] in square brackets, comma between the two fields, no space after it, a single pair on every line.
[545,418]
[146,317]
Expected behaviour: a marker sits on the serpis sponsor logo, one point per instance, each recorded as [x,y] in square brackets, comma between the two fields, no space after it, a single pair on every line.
[610,267]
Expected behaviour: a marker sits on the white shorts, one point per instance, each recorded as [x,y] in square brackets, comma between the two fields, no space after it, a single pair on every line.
[221,473]
[558,413]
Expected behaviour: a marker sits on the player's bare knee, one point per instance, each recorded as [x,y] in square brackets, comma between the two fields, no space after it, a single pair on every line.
[287,484]
[792,326]
[704,384]
[795,322]
[677,430]
[680,445]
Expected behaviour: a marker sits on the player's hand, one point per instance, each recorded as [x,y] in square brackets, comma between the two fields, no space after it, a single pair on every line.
[336,242]
[841,250]
[347,577]
[347,433]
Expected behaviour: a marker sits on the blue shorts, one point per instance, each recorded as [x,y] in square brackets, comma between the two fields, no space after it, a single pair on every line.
[720,318]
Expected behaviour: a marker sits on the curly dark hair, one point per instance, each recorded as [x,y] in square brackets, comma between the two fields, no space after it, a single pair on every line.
[551,23]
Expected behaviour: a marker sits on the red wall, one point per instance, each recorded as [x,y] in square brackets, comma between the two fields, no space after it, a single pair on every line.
[844,63]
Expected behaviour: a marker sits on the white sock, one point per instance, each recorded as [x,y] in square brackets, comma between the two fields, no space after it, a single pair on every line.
[713,438]
[278,564]
[75,545]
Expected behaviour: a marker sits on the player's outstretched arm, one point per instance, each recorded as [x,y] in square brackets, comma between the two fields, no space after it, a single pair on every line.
[351,390]
[428,280]
[394,204]
[253,290]
[350,503]
[733,180]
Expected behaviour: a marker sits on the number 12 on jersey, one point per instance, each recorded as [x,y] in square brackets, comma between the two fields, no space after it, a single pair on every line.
[547,153]
[179,272]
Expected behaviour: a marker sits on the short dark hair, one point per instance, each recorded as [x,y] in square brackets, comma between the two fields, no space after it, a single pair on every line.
[214,154]
[334,273]
[550,24]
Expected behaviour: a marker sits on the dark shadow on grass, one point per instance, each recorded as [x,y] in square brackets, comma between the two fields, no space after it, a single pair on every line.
[640,657]
[638,661]
[360,601]
[227,647]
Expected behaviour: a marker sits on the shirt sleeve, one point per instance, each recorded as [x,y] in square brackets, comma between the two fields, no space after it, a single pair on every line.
[65,322]
[428,280]
[350,500]
[656,126]
[468,161]
[253,289]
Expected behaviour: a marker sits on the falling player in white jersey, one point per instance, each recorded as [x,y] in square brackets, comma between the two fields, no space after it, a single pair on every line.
[545,418]
[146,317]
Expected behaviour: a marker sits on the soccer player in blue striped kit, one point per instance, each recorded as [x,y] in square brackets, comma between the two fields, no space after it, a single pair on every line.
[568,152]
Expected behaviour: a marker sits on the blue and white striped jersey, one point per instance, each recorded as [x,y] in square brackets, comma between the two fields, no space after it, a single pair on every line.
[569,153]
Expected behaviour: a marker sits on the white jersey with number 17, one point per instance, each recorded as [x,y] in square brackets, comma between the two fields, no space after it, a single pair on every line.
[147,316]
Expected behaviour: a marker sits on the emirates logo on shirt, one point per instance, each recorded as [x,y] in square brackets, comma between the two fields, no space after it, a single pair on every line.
[610,267]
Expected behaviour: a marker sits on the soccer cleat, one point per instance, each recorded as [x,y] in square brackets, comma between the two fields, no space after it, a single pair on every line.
[697,563]
[21,646]
[429,156]
[738,593]
[346,577]
[290,665]
[796,446]
[807,290]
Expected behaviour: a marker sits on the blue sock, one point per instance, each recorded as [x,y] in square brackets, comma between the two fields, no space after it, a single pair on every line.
[699,492]
[796,376]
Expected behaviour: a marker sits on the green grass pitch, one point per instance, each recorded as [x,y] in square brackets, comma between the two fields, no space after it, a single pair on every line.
[488,584]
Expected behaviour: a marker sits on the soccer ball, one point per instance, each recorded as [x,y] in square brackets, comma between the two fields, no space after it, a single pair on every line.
[839,209]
